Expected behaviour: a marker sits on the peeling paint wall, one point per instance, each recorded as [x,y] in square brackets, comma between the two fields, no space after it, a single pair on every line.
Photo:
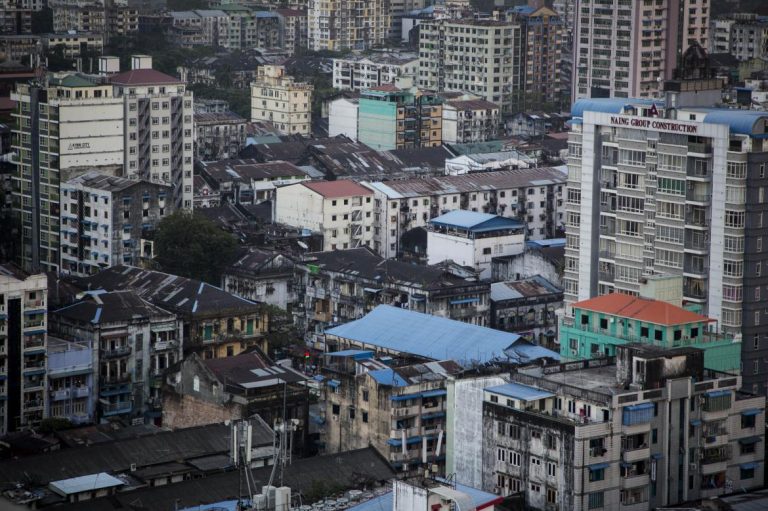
[464,421]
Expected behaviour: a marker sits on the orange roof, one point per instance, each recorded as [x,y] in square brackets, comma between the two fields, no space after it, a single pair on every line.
[641,309]
[341,188]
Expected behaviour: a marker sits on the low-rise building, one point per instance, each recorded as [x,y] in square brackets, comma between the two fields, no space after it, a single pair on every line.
[135,343]
[343,285]
[540,257]
[527,307]
[23,349]
[394,331]
[262,276]
[535,124]
[366,72]
[399,411]
[653,429]
[470,120]
[472,239]
[218,135]
[215,323]
[74,45]
[278,99]
[107,220]
[248,181]
[342,211]
[19,47]
[202,391]
[205,195]
[599,325]
[72,375]
[534,196]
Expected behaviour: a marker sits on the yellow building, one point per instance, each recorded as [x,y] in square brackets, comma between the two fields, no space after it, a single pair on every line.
[278,99]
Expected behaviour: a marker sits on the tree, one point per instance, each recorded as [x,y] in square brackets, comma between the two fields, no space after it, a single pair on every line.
[42,21]
[190,245]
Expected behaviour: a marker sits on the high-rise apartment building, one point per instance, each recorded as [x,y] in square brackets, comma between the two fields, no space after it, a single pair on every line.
[23,345]
[136,124]
[483,57]
[743,35]
[277,98]
[678,191]
[64,124]
[343,25]
[627,48]
[159,128]
[514,60]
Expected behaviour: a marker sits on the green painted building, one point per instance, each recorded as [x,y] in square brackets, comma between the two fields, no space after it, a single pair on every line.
[600,324]
[392,118]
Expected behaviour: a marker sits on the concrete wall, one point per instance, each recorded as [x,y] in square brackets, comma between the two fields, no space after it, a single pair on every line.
[187,411]
[342,118]
[464,418]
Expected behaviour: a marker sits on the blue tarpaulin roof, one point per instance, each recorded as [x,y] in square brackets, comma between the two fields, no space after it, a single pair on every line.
[695,422]
[334,383]
[356,354]
[397,442]
[718,393]
[749,440]
[751,411]
[747,466]
[599,466]
[428,336]
[641,406]
[520,392]
[388,377]
[476,222]
[434,393]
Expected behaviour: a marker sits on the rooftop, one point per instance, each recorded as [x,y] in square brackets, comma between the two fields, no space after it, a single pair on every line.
[519,391]
[336,189]
[251,370]
[472,104]
[100,308]
[143,77]
[177,294]
[482,181]
[99,181]
[480,500]
[249,169]
[476,222]
[436,338]
[642,309]
[81,484]
[524,288]
[351,469]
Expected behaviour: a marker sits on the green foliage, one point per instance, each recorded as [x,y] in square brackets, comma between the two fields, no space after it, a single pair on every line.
[42,21]
[239,99]
[166,57]
[190,245]
[54,424]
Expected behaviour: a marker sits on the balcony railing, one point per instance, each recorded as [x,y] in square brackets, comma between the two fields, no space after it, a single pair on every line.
[119,351]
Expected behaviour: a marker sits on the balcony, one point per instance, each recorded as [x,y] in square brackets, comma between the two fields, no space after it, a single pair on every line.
[117,408]
[165,345]
[116,352]
[116,378]
[638,454]
[60,395]
[406,411]
[33,404]
[635,480]
[79,392]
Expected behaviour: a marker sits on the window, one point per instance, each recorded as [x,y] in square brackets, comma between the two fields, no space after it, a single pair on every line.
[748,421]
[596,474]
[351,413]
[514,458]
[335,409]
[551,496]
[536,488]
[501,454]
[596,500]
[551,469]
[365,416]
[746,473]
[550,441]
[734,219]
[671,186]
[365,395]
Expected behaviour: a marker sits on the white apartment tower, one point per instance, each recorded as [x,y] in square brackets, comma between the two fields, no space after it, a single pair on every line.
[278,99]
[158,128]
[627,48]
[339,25]
[678,191]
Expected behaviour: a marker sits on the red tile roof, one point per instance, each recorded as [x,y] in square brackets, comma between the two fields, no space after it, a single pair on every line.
[341,188]
[641,309]
[143,77]
[386,87]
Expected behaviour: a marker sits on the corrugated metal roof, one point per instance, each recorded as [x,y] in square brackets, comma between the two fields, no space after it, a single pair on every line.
[520,392]
[388,377]
[525,288]
[437,338]
[85,483]
[607,105]
[475,221]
